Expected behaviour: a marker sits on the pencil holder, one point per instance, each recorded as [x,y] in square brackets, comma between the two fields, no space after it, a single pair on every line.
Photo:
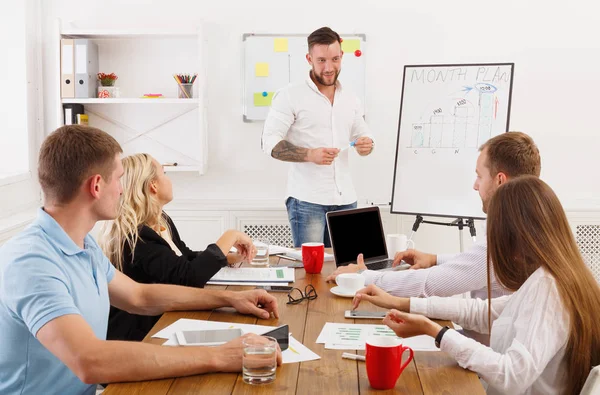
[185,91]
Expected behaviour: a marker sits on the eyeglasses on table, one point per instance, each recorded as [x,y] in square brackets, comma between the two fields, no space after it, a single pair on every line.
[296,295]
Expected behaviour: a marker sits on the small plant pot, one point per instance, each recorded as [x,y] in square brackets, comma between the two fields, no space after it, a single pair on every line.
[108,92]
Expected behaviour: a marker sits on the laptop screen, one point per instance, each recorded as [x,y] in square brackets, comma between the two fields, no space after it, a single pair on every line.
[354,232]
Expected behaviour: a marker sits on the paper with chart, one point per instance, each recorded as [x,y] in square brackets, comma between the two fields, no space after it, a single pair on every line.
[296,352]
[353,337]
[447,113]
[253,276]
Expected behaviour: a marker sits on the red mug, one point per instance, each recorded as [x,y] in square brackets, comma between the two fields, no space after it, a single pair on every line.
[312,257]
[384,361]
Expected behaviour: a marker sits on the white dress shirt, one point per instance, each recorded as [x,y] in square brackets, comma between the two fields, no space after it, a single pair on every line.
[529,335]
[303,116]
[452,275]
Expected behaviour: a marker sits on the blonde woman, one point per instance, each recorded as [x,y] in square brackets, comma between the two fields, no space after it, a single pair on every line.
[143,243]
[545,337]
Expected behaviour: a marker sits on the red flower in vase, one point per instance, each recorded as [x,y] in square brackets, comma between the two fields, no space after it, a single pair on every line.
[107,79]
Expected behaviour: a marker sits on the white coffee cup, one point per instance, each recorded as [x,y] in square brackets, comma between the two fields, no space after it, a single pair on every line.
[350,282]
[398,242]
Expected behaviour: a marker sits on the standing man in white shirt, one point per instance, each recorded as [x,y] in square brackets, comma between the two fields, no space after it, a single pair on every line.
[311,124]
[502,158]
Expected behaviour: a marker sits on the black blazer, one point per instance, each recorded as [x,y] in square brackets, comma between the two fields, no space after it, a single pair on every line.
[155,262]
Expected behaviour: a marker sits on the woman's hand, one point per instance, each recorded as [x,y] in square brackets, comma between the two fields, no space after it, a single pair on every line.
[408,325]
[379,297]
[233,258]
[245,246]
[241,241]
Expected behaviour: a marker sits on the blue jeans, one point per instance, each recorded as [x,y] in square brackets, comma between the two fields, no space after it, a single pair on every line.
[308,223]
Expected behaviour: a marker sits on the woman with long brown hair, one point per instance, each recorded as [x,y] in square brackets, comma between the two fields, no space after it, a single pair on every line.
[545,337]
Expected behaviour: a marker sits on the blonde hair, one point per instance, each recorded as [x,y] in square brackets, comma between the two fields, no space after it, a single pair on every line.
[138,207]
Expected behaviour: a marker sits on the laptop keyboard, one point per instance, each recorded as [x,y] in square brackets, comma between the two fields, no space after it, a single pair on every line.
[380,265]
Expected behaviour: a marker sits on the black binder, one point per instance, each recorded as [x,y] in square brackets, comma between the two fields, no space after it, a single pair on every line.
[70,113]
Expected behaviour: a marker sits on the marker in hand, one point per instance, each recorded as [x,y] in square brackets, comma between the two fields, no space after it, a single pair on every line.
[352,144]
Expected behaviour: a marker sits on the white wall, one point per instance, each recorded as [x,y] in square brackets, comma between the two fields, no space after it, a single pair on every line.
[21,109]
[13,107]
[556,53]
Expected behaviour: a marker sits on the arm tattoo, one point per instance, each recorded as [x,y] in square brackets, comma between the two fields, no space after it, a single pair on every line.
[288,152]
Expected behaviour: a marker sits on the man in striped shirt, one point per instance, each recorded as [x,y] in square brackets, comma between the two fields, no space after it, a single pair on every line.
[501,158]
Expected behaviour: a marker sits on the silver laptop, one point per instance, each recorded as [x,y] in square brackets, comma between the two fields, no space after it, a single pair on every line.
[358,231]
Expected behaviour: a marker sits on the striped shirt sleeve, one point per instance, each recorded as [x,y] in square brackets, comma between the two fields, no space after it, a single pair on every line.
[465,272]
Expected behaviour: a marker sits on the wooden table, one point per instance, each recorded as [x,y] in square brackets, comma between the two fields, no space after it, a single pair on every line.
[429,373]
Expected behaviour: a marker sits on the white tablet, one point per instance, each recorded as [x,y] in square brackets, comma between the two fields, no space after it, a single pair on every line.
[212,337]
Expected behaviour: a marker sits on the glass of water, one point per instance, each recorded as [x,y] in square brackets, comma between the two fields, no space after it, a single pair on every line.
[262,251]
[259,362]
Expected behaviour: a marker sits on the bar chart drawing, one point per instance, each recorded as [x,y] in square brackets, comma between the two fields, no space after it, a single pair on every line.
[467,125]
[447,112]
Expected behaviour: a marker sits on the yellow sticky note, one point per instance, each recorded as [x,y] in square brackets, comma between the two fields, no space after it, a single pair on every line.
[349,46]
[280,45]
[263,101]
[261,69]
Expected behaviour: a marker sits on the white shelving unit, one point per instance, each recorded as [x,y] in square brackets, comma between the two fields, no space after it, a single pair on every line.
[131,100]
[128,33]
[169,128]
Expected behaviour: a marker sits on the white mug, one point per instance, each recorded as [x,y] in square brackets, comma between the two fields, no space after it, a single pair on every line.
[350,282]
[397,243]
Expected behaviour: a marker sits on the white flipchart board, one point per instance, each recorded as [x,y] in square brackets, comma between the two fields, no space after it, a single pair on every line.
[446,113]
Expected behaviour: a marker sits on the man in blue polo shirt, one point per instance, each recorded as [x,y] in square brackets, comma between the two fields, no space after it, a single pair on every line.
[46,275]
[56,286]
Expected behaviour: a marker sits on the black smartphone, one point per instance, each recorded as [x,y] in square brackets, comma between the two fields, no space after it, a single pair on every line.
[275,288]
[282,335]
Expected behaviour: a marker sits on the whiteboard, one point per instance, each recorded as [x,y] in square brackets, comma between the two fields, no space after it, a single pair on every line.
[271,62]
[446,113]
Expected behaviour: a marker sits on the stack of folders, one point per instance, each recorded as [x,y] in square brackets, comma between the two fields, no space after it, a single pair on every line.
[78,68]
[253,276]
[74,114]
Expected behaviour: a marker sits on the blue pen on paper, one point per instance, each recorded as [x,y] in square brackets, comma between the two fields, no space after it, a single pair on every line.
[352,144]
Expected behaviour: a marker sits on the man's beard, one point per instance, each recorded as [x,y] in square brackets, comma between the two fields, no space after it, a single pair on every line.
[321,81]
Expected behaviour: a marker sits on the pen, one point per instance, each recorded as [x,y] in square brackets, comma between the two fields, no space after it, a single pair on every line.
[292,349]
[355,357]
[352,144]
[289,258]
